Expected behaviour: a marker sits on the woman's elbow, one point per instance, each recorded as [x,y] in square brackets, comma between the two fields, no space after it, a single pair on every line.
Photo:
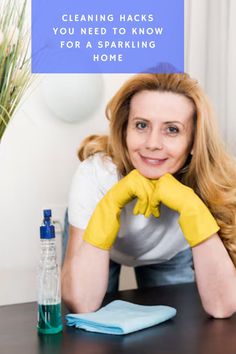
[220,312]
[77,302]
[76,306]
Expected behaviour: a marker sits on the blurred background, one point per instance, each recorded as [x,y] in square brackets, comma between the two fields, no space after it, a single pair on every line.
[38,152]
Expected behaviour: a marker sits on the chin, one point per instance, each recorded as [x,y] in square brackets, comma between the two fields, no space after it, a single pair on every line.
[151,174]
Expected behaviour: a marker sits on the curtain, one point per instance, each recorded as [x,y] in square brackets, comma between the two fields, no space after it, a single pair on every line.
[210,57]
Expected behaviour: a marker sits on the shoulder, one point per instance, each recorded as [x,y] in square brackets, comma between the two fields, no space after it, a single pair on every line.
[92,179]
[98,169]
[98,164]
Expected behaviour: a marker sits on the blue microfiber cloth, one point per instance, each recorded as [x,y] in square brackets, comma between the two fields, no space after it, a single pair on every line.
[121,317]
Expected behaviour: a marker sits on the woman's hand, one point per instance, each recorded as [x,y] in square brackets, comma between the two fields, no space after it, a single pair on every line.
[104,223]
[196,221]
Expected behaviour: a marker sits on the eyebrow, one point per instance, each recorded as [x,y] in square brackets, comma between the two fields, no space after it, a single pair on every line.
[139,118]
[167,122]
[174,121]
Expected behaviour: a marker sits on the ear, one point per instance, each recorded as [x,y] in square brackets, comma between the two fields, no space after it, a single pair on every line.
[191,152]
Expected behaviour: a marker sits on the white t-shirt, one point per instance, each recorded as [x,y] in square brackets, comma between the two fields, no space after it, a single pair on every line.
[140,240]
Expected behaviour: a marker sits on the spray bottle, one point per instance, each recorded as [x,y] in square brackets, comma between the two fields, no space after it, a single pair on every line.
[49,285]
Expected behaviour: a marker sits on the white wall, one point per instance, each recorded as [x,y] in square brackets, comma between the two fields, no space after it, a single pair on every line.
[37,159]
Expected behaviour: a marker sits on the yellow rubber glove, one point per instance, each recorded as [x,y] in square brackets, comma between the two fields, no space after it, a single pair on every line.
[104,223]
[196,221]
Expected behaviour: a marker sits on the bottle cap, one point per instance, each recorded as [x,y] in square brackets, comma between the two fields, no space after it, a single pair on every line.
[47,230]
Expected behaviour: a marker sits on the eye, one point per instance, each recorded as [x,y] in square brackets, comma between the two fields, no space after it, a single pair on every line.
[141,125]
[172,130]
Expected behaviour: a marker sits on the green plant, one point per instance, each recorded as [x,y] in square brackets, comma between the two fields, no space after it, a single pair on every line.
[15,74]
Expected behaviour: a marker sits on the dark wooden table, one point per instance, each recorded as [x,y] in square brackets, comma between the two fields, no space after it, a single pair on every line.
[190,332]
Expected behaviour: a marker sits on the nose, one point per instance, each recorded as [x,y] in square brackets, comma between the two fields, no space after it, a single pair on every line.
[154,140]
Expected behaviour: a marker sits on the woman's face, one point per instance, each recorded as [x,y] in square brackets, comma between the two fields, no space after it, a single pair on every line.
[159,132]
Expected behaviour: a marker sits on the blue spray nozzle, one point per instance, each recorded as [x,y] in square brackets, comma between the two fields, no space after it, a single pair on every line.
[47,213]
[47,230]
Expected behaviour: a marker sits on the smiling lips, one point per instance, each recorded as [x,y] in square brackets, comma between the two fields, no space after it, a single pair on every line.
[152,161]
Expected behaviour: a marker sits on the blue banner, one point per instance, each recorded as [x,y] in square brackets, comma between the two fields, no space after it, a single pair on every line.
[103,36]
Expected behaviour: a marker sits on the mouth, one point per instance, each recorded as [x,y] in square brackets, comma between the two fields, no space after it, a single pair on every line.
[152,161]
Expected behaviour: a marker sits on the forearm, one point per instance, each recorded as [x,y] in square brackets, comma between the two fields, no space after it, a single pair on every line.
[216,277]
[85,278]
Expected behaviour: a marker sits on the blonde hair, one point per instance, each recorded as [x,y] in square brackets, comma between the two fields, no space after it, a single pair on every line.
[211,171]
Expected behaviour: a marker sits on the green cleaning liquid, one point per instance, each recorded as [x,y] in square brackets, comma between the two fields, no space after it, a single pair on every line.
[49,319]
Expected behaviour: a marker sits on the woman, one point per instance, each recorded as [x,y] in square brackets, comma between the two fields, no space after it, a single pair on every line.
[163,158]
